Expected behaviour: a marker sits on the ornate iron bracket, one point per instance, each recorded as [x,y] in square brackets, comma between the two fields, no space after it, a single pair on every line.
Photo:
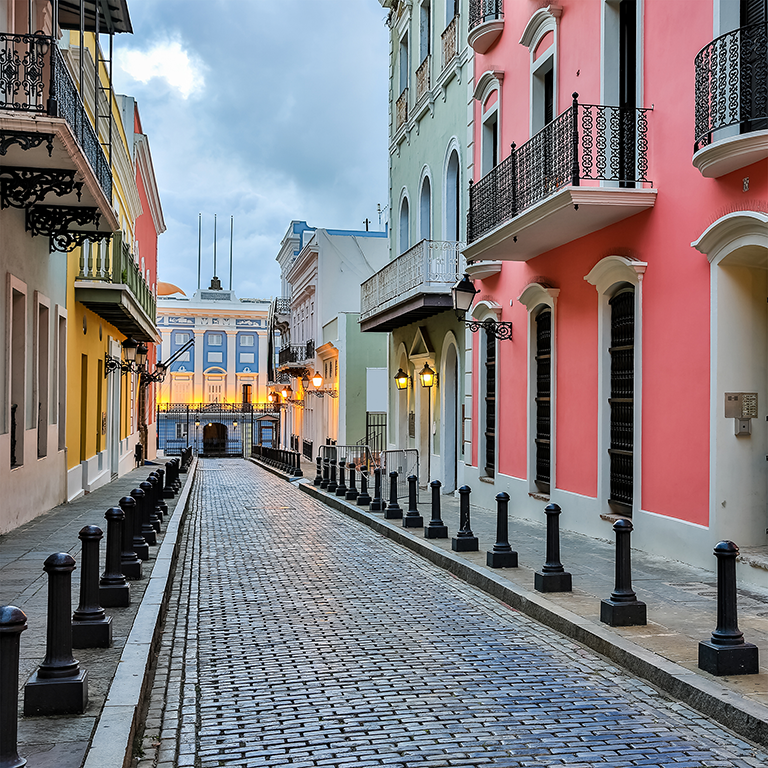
[55,220]
[25,140]
[496,328]
[116,364]
[22,187]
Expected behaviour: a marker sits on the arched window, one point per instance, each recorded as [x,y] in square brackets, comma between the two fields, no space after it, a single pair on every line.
[404,240]
[543,401]
[452,197]
[425,210]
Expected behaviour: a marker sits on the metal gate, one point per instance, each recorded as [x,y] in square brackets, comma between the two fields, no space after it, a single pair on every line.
[405,463]
[375,431]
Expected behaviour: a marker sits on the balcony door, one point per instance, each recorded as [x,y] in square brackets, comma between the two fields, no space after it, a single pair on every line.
[754,65]
[627,90]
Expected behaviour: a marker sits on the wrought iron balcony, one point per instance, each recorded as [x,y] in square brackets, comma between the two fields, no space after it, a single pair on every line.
[111,284]
[422,78]
[415,285]
[732,99]
[486,22]
[282,306]
[450,43]
[592,142]
[296,353]
[34,80]
[401,110]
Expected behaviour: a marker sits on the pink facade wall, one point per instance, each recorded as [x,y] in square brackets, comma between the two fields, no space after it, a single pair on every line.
[676,300]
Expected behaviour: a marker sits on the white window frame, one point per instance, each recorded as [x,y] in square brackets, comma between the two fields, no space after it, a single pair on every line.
[426,177]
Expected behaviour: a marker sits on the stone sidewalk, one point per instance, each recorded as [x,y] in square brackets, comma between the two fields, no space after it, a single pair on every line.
[681,603]
[62,742]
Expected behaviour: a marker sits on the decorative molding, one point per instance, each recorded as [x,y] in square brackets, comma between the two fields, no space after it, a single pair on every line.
[55,220]
[535,294]
[25,140]
[544,20]
[615,269]
[731,154]
[22,187]
[491,78]
[486,307]
[732,231]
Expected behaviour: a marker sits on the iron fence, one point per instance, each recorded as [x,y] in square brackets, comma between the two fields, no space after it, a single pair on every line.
[732,83]
[296,353]
[481,11]
[404,462]
[586,142]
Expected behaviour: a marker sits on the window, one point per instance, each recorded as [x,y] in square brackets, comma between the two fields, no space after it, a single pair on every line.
[18,357]
[621,400]
[404,226]
[451,9]
[182,430]
[247,357]
[215,357]
[424,15]
[543,398]
[182,338]
[246,340]
[215,339]
[425,210]
[452,198]
[403,63]
[540,37]
[490,405]
[490,141]
[183,357]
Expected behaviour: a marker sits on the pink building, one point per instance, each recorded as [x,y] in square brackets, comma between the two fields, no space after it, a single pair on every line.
[619,220]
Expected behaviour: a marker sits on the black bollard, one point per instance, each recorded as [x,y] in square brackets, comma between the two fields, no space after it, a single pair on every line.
[326,473]
[130,562]
[177,470]
[147,528]
[352,492]
[377,503]
[160,509]
[114,591]
[552,577]
[12,623]
[341,488]
[59,687]
[412,518]
[297,472]
[331,488]
[168,490]
[319,476]
[140,546]
[465,540]
[91,627]
[502,555]
[436,528]
[363,498]
[726,653]
[393,511]
[623,609]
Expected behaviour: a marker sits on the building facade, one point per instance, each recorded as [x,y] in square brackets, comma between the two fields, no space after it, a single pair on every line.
[409,300]
[315,325]
[216,382]
[618,220]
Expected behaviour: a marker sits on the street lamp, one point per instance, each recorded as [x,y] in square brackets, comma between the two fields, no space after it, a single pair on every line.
[463,294]
[287,392]
[129,349]
[317,379]
[401,379]
[427,376]
[141,354]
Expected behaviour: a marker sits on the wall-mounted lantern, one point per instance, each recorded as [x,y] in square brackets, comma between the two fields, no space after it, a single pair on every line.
[427,376]
[401,379]
[463,294]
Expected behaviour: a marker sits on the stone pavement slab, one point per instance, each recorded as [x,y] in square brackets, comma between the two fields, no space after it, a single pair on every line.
[297,637]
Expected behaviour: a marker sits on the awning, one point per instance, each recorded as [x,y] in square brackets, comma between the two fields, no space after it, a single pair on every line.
[113,15]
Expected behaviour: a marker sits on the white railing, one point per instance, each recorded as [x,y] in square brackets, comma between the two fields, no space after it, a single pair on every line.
[431,266]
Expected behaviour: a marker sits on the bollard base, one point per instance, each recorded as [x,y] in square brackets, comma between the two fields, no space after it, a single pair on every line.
[156,525]
[150,536]
[465,544]
[363,500]
[168,493]
[131,570]
[436,532]
[376,506]
[728,659]
[631,614]
[393,514]
[342,491]
[552,582]
[501,559]
[413,521]
[142,551]
[351,496]
[317,483]
[115,596]
[64,696]
[92,634]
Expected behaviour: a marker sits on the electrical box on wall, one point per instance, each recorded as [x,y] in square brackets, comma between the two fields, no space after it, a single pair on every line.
[742,408]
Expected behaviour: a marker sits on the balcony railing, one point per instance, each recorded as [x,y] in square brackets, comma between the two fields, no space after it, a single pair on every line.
[430,266]
[114,263]
[587,141]
[450,44]
[481,11]
[732,83]
[34,79]
[422,78]
[282,306]
[401,109]
[296,353]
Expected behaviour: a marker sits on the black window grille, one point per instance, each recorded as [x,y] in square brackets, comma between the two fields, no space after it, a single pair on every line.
[543,398]
[490,404]
[621,401]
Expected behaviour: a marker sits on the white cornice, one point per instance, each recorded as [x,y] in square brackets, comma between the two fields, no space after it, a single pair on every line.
[733,231]
[542,21]
[728,155]
[615,269]
[146,168]
[489,78]
[537,293]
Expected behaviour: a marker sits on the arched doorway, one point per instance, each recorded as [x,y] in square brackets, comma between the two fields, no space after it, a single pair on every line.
[451,440]
[214,439]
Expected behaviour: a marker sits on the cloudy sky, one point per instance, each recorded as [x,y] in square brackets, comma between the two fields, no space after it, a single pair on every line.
[265,110]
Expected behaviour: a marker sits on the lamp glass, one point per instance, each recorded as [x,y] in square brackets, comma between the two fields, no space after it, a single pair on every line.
[141,353]
[305,382]
[129,349]
[317,380]
[401,379]
[427,376]
[463,294]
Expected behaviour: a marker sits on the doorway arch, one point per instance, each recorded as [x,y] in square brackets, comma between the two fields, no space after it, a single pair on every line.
[214,439]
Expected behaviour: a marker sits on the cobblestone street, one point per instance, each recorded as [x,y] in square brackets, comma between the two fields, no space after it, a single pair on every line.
[297,637]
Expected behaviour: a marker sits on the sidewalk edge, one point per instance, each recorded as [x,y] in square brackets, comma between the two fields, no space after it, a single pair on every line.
[746,717]
[112,741]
